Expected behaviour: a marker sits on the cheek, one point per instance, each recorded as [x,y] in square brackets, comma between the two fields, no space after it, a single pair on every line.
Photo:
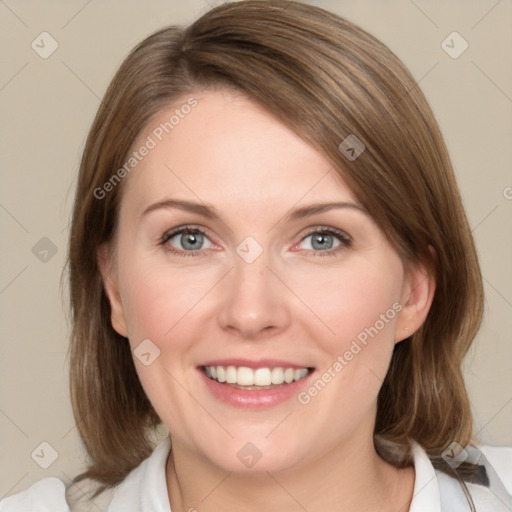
[357,302]
[157,299]
[358,307]
[162,305]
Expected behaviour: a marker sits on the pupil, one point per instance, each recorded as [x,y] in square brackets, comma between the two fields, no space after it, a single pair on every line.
[322,240]
[191,240]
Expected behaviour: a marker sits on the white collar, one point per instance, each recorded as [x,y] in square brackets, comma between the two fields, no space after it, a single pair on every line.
[426,496]
[145,488]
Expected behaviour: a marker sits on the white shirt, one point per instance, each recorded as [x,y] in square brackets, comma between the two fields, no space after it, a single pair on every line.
[145,488]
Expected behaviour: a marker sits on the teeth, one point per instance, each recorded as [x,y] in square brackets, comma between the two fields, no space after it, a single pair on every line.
[289,373]
[278,375]
[231,375]
[244,376]
[262,377]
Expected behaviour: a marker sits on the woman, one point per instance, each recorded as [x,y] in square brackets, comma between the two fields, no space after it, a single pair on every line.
[269,256]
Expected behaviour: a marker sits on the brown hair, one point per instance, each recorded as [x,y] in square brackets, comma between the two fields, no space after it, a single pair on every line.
[326,79]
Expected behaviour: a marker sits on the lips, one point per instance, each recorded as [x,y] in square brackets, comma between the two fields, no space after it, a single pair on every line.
[254,384]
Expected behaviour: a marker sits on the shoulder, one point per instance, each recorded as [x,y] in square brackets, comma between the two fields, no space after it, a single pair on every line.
[500,458]
[479,474]
[144,488]
[489,487]
[53,495]
[46,495]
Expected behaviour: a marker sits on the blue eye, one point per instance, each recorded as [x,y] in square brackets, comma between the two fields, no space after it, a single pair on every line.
[323,240]
[190,239]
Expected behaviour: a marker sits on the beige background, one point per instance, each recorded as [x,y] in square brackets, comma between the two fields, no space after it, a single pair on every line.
[47,106]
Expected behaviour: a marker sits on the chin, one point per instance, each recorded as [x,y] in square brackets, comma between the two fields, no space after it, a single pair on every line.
[246,457]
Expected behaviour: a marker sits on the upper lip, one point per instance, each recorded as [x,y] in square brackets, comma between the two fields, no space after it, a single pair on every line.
[260,363]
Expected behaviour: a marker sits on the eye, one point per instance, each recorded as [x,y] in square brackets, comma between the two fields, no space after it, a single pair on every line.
[189,241]
[185,241]
[327,241]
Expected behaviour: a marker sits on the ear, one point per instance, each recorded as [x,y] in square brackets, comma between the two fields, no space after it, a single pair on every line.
[417,296]
[108,274]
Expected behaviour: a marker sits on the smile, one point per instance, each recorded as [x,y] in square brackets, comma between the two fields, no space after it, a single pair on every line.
[254,378]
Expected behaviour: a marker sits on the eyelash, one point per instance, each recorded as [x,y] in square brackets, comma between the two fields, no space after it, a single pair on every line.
[185,229]
[345,240]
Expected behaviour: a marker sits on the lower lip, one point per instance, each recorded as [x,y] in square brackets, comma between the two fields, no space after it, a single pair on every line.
[255,398]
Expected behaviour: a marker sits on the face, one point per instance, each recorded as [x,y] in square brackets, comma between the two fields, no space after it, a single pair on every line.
[220,272]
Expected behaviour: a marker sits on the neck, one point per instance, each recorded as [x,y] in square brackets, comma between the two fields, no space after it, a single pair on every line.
[350,478]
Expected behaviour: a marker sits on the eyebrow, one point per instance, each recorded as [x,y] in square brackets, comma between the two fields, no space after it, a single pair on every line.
[210,212]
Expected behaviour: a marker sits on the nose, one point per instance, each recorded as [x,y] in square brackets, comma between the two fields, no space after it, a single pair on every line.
[255,302]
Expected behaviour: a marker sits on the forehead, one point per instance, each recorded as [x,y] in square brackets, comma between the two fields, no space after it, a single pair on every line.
[228,151]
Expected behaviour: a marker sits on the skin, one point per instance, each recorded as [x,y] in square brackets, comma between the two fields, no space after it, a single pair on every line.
[290,303]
